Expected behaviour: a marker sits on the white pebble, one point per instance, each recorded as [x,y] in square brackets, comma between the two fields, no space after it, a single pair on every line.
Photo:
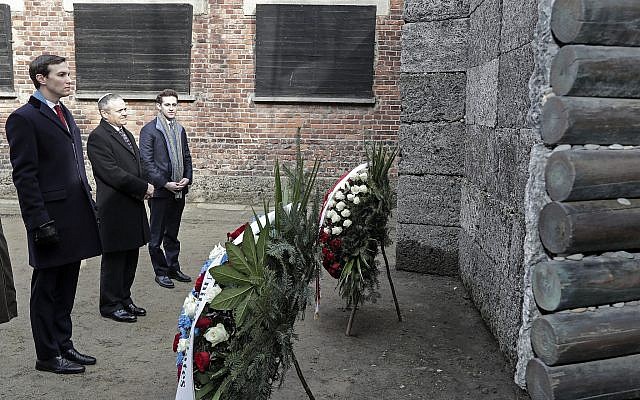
[629,147]
[562,147]
[616,146]
[618,305]
[578,310]
[624,254]
[624,202]
[559,258]
[592,146]
[575,257]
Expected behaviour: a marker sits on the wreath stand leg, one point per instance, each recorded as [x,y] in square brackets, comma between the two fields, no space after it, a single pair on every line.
[301,377]
[351,317]
[393,290]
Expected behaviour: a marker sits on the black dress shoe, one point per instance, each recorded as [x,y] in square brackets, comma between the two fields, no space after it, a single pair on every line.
[164,281]
[77,357]
[135,310]
[179,276]
[59,365]
[121,316]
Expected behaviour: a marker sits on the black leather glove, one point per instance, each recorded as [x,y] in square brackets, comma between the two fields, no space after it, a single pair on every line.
[46,234]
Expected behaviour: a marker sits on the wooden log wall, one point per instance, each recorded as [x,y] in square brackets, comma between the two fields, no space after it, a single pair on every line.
[587,340]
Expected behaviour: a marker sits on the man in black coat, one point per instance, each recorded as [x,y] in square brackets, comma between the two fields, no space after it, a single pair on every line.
[57,209]
[167,161]
[121,190]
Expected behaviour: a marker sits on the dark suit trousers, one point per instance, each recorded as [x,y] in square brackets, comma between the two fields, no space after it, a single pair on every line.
[117,272]
[53,291]
[164,223]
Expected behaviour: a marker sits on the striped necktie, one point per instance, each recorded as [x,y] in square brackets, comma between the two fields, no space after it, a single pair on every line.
[125,138]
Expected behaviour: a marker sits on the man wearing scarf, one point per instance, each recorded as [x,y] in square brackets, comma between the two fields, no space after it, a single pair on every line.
[167,161]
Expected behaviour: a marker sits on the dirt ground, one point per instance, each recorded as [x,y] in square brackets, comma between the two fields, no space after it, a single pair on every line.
[441,350]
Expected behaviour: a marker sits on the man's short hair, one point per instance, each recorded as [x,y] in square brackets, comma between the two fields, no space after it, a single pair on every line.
[40,65]
[166,93]
[104,101]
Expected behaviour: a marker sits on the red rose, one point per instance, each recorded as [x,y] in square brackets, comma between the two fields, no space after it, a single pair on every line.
[203,322]
[324,236]
[176,339]
[199,281]
[202,360]
[335,244]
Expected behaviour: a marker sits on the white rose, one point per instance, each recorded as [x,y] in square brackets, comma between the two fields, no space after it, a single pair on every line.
[340,206]
[335,218]
[364,189]
[330,214]
[350,196]
[356,200]
[363,176]
[217,334]
[336,230]
[339,195]
[327,230]
[347,223]
[183,345]
[190,306]
[211,293]
[355,189]
[345,213]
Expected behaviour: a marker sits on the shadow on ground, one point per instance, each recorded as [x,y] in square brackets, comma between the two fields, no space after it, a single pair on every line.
[441,351]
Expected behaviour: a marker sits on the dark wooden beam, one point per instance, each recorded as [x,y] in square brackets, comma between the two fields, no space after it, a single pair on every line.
[593,174]
[610,379]
[582,120]
[590,226]
[569,338]
[602,71]
[611,22]
[592,281]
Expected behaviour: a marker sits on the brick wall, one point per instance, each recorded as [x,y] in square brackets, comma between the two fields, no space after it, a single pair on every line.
[234,141]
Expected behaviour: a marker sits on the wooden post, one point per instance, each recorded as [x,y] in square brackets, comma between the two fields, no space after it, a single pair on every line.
[559,285]
[611,22]
[590,226]
[582,120]
[593,174]
[568,338]
[393,290]
[596,71]
[610,379]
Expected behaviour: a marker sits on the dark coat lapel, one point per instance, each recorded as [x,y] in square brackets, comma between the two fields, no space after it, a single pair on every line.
[47,112]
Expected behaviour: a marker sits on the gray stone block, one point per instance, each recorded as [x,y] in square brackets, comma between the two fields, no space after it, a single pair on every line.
[431,148]
[427,249]
[496,226]
[433,10]
[497,295]
[482,94]
[519,19]
[433,96]
[484,32]
[515,72]
[429,200]
[498,161]
[437,46]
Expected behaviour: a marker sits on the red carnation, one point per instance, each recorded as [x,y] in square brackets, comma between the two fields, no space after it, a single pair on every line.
[203,322]
[335,244]
[179,371]
[198,284]
[202,360]
[175,342]
[324,236]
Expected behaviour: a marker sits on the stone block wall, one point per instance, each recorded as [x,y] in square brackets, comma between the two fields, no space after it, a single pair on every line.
[234,141]
[431,136]
[498,140]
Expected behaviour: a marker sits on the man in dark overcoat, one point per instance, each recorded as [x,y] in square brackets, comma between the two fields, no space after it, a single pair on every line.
[121,190]
[57,209]
[167,161]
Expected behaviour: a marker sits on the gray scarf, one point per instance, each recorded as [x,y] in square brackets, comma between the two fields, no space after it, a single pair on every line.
[173,137]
